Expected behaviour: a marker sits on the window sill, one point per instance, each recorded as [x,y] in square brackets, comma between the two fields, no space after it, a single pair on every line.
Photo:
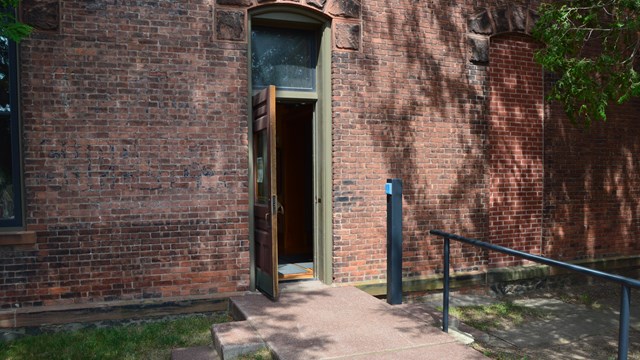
[17,238]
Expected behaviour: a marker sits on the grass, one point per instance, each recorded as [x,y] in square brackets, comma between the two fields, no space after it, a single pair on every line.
[498,354]
[263,354]
[147,341]
[582,299]
[500,315]
[495,316]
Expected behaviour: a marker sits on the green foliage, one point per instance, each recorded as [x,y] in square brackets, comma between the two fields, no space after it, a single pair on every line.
[10,27]
[593,47]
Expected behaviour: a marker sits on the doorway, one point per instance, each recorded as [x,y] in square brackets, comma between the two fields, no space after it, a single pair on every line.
[290,82]
[294,153]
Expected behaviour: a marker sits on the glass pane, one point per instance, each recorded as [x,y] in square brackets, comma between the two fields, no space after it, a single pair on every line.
[6,183]
[261,163]
[4,75]
[285,58]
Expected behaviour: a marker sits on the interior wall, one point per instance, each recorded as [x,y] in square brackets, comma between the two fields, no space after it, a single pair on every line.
[295,169]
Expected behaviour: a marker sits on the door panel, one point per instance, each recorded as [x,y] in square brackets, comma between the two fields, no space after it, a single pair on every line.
[265,202]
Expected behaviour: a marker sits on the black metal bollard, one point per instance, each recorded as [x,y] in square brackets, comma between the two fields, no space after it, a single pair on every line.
[393,189]
[623,334]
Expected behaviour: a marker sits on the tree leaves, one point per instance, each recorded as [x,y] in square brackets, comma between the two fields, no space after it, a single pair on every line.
[10,27]
[593,46]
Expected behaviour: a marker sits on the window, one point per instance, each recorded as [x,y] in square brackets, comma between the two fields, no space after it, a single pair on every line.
[10,164]
[283,57]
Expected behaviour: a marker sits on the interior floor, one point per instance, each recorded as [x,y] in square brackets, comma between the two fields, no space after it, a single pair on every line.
[294,269]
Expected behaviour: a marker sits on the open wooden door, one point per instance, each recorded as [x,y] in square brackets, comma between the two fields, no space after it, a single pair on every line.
[265,202]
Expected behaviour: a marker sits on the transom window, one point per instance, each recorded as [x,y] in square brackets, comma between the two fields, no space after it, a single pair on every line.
[286,58]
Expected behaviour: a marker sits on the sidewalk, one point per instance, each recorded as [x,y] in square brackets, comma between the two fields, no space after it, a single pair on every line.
[568,331]
[345,323]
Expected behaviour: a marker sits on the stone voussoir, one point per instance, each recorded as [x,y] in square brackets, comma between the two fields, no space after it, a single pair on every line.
[345,8]
[500,18]
[518,18]
[481,24]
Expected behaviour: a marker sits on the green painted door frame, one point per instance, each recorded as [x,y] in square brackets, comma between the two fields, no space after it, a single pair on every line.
[322,161]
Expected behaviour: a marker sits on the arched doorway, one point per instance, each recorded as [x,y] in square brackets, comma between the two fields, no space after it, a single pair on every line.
[290,146]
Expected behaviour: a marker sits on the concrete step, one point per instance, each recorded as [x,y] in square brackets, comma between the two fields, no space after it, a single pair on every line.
[345,323]
[230,340]
[234,339]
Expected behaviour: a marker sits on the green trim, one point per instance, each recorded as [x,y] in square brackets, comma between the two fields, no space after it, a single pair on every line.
[324,163]
[297,95]
[293,17]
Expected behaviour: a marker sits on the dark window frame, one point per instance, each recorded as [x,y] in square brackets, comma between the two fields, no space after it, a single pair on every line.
[16,154]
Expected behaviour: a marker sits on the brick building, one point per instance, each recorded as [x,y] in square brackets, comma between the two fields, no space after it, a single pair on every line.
[142,171]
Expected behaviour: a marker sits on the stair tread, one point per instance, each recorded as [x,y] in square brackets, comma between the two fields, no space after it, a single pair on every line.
[235,338]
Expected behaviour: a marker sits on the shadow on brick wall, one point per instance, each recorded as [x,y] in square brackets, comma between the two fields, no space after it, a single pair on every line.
[592,185]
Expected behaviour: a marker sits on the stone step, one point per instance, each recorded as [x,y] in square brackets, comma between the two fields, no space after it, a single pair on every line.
[234,339]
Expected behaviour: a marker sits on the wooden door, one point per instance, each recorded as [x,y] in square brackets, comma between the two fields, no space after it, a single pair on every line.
[265,202]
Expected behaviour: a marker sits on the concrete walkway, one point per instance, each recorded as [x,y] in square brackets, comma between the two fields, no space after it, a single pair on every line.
[345,323]
[567,331]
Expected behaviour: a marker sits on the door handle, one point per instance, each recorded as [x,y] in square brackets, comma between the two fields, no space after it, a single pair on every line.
[280,209]
[267,216]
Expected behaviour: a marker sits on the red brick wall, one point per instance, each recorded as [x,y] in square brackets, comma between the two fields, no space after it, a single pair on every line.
[135,157]
[592,185]
[515,115]
[408,105]
[135,129]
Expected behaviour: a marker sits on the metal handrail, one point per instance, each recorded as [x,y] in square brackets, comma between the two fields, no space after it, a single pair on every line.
[625,282]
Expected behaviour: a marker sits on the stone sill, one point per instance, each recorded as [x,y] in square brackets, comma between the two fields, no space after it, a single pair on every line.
[18,238]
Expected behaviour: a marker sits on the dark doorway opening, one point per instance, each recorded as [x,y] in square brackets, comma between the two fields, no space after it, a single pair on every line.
[294,151]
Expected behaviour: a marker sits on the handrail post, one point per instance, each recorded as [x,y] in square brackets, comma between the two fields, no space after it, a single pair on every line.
[623,334]
[445,295]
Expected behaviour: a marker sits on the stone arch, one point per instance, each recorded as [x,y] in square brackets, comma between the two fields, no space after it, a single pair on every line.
[305,9]
[346,18]
[489,22]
